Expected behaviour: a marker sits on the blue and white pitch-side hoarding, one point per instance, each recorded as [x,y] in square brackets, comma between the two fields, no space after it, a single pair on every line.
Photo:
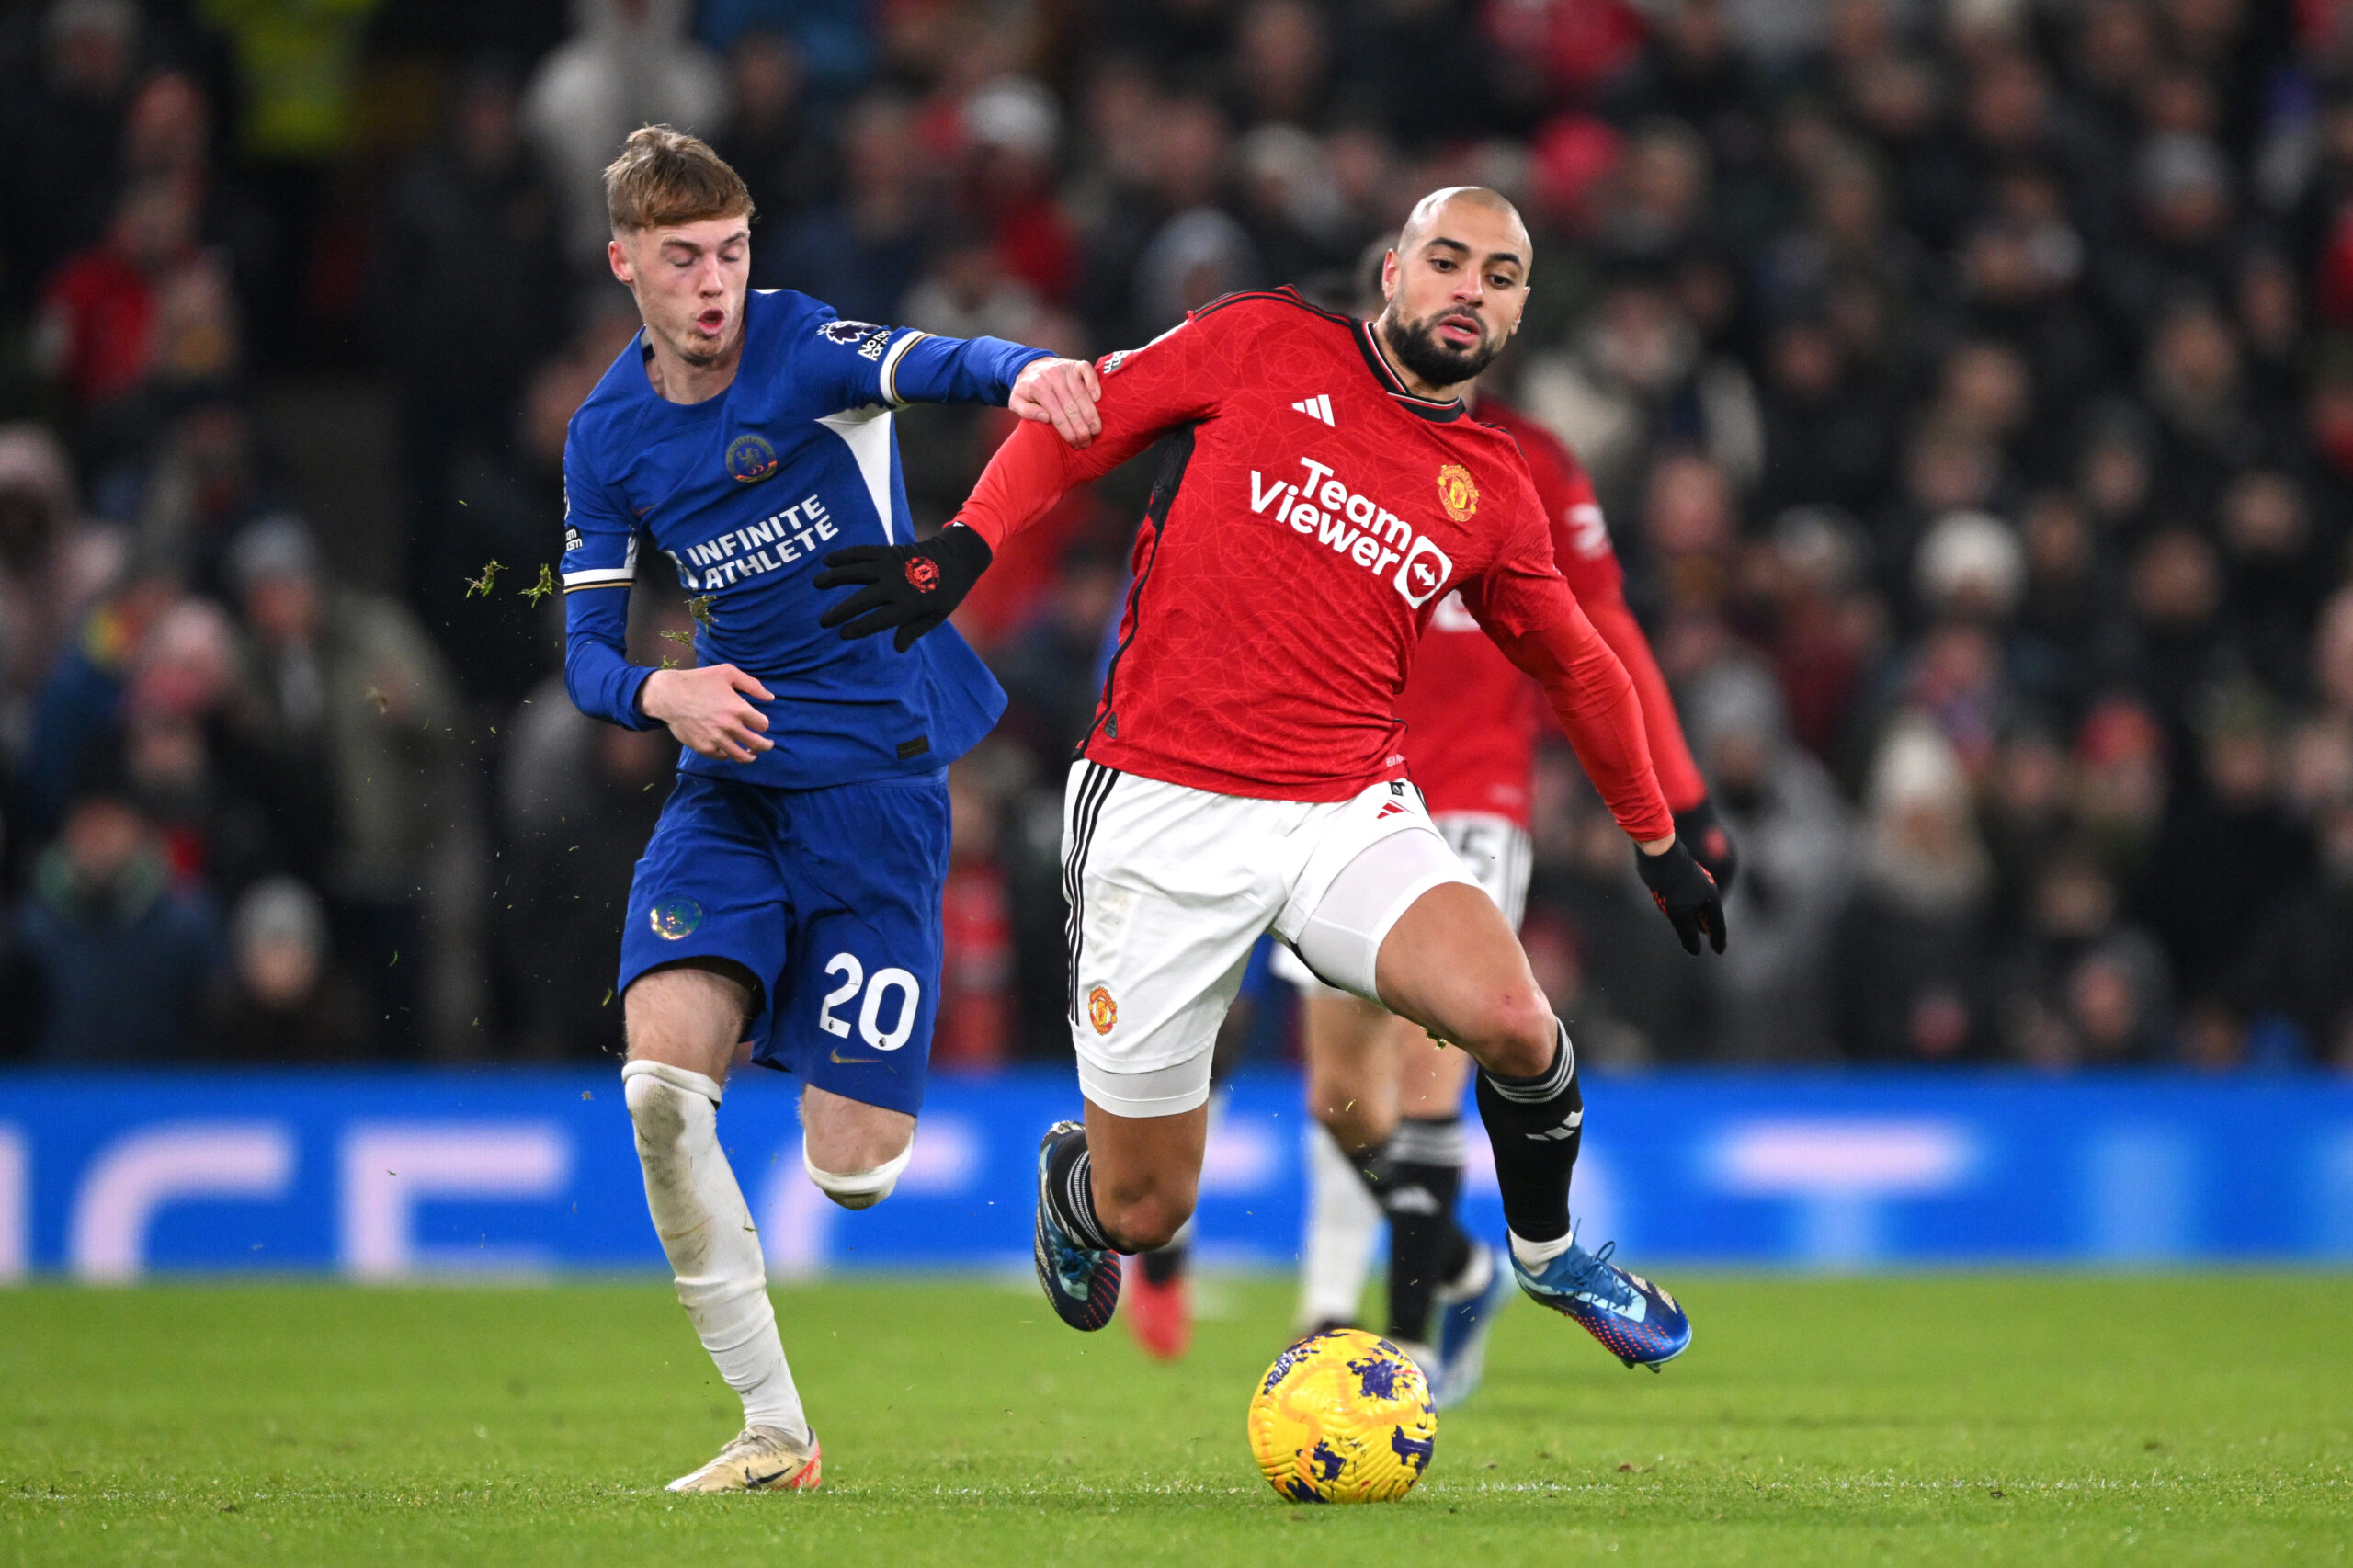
[390,1176]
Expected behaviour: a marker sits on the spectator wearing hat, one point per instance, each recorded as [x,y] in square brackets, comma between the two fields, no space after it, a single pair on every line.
[1908,970]
[283,1001]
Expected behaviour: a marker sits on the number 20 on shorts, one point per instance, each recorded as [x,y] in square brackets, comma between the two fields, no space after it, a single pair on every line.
[886,982]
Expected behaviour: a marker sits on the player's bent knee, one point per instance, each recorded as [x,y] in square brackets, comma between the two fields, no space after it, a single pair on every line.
[1352,1119]
[1330,1096]
[1513,1034]
[1142,1227]
[1145,1219]
[858,1189]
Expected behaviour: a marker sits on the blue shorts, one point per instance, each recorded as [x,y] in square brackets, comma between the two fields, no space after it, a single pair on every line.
[830,897]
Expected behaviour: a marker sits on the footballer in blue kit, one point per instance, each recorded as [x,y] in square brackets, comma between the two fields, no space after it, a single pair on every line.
[790,894]
[824,854]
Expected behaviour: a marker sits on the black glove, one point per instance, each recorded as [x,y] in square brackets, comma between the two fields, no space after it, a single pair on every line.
[1685,894]
[911,586]
[1711,844]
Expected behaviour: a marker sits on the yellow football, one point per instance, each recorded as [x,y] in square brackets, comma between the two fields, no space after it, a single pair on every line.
[1343,1416]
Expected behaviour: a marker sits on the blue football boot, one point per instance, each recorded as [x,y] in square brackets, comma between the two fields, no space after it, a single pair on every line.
[1082,1284]
[1636,1320]
[1462,1326]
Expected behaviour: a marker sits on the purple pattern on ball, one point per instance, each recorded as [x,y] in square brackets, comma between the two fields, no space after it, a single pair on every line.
[1414,1451]
[1376,1377]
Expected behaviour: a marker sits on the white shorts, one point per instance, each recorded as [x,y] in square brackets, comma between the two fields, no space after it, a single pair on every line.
[1495,851]
[1170,887]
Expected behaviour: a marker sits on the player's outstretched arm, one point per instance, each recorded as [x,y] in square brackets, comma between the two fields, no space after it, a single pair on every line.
[926,367]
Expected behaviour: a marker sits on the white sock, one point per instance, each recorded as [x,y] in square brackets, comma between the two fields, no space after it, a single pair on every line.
[707,1232]
[1534,1256]
[1343,1225]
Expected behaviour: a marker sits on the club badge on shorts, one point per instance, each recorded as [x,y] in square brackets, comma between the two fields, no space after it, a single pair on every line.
[1101,1011]
[1457,492]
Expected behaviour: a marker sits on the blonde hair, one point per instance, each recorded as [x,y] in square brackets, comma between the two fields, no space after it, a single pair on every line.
[666,176]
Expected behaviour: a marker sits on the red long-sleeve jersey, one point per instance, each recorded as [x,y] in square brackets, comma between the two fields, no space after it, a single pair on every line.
[1470,715]
[1310,514]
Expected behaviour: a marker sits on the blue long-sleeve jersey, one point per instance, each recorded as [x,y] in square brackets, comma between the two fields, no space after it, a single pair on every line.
[747,493]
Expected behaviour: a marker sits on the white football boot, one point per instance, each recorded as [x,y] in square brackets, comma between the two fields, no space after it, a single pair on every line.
[758,1459]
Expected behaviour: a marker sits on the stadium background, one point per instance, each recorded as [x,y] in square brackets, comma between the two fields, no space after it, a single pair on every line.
[1968,384]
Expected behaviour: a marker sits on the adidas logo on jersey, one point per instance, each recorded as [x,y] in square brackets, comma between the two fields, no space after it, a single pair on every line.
[1317,407]
[1353,526]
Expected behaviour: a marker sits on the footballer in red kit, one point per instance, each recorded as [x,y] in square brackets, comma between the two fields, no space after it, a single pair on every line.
[1322,488]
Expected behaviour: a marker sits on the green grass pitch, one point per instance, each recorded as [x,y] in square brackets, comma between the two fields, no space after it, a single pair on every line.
[1960,1419]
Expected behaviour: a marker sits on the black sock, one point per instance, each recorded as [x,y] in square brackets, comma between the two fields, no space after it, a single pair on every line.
[1070,1192]
[1373,1167]
[1164,1265]
[1535,1125]
[1427,1248]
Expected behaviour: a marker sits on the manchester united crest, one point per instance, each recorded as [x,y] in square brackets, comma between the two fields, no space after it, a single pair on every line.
[1101,1011]
[1458,491]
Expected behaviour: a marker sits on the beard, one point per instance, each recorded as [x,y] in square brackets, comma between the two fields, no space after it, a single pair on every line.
[1417,348]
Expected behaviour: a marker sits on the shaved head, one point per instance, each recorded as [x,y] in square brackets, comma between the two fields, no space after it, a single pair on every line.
[1454,287]
[1427,217]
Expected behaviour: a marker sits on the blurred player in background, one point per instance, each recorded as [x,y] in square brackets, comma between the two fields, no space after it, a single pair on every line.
[791,895]
[1323,488]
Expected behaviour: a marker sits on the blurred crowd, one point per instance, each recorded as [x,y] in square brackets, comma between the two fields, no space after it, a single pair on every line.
[1969,385]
